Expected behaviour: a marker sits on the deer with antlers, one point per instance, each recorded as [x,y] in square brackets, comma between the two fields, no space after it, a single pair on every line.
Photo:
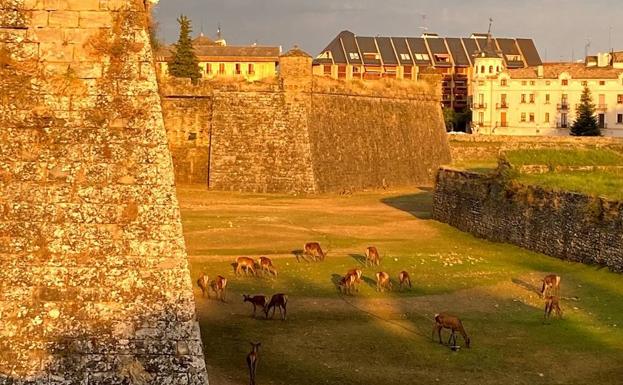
[266,265]
[552,304]
[383,281]
[405,279]
[252,359]
[372,256]
[280,301]
[550,283]
[256,301]
[218,286]
[204,283]
[245,263]
[445,321]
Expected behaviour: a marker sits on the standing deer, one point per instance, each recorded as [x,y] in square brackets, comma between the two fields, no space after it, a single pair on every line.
[383,281]
[218,286]
[247,264]
[252,359]
[444,321]
[347,283]
[552,303]
[314,251]
[550,283]
[257,300]
[372,256]
[280,301]
[404,279]
[204,283]
[266,265]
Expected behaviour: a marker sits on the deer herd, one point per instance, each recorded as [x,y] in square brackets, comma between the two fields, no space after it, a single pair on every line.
[349,283]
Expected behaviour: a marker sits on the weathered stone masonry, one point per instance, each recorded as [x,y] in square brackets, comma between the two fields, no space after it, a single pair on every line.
[94,284]
[566,225]
[304,134]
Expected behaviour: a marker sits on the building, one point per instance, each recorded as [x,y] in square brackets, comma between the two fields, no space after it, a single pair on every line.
[358,57]
[542,100]
[217,59]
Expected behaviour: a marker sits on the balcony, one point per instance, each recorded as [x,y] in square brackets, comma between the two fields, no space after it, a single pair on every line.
[562,125]
[501,106]
[479,106]
[501,124]
[563,107]
[602,107]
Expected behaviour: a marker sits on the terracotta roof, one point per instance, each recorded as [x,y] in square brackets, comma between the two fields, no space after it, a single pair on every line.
[207,52]
[203,40]
[575,70]
[617,57]
[296,52]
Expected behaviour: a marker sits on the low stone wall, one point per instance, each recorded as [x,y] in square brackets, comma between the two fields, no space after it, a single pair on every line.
[566,225]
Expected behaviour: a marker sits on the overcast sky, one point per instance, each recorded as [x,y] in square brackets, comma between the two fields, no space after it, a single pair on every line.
[560,28]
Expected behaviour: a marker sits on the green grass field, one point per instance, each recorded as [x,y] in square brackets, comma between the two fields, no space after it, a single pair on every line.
[373,338]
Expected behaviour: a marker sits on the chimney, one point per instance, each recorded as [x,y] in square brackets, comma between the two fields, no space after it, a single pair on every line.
[540,71]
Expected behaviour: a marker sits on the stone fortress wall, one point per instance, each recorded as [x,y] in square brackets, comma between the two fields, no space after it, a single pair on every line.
[566,225]
[300,133]
[94,286]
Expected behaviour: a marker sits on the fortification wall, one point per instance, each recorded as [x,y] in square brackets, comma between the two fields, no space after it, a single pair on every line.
[566,225]
[94,285]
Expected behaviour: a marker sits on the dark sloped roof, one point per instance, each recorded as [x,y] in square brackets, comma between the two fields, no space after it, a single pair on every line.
[386,49]
[458,52]
[350,47]
[418,46]
[367,45]
[400,43]
[529,51]
[437,46]
[471,47]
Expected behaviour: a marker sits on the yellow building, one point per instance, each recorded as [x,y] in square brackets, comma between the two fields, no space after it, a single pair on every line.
[542,100]
[217,59]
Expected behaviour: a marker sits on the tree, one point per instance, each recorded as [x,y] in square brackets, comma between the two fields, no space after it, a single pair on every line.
[185,63]
[449,116]
[586,122]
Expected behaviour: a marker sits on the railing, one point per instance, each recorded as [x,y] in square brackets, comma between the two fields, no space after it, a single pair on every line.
[562,125]
[479,106]
[563,106]
[501,106]
[501,124]
[602,107]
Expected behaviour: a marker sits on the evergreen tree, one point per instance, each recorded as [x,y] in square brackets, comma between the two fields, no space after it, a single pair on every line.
[185,63]
[586,122]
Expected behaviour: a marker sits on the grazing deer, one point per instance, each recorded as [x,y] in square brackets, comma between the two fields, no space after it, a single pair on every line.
[552,303]
[266,265]
[383,281]
[314,251]
[347,283]
[247,264]
[252,359]
[550,283]
[257,300]
[372,256]
[218,286]
[444,321]
[280,301]
[204,283]
[404,279]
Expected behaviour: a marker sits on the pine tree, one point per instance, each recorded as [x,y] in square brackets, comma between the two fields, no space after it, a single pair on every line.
[586,122]
[185,63]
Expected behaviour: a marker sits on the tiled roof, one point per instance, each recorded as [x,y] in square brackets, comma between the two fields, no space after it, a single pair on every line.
[575,70]
[207,52]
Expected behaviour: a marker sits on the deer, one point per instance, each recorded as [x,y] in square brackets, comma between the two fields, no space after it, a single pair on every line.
[252,359]
[550,283]
[280,301]
[445,321]
[257,300]
[266,265]
[372,256]
[246,263]
[357,275]
[346,283]
[552,303]
[314,251]
[405,279]
[218,286]
[383,281]
[204,283]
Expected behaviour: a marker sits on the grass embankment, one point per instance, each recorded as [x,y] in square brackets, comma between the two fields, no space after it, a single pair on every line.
[374,338]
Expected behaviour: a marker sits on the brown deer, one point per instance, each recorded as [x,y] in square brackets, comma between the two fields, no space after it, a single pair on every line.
[252,359]
[280,301]
[246,263]
[314,251]
[383,282]
[204,283]
[347,283]
[552,303]
[257,300]
[372,256]
[550,283]
[266,265]
[445,321]
[218,286]
[405,279]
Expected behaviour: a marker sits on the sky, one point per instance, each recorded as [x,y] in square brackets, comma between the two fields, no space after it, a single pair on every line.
[561,29]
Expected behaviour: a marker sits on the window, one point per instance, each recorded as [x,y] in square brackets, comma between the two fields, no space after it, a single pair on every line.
[565,82]
[421,57]
[532,117]
[563,120]
[238,68]
[251,69]
[327,69]
[503,82]
[221,68]
[482,69]
[524,83]
[405,57]
[523,117]
[490,69]
[523,98]
[602,82]
[503,100]
[192,136]
[209,68]
[497,69]
[619,99]
[371,55]
[354,56]
[619,118]
[481,117]
[547,117]
[532,98]
[547,83]
[547,98]
[532,82]
[584,83]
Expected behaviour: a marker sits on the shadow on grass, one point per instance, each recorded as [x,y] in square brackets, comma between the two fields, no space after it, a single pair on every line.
[361,259]
[526,285]
[419,205]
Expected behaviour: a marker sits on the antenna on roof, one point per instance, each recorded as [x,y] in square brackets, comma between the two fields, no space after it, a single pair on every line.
[586,47]
[490,24]
[423,27]
[219,32]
